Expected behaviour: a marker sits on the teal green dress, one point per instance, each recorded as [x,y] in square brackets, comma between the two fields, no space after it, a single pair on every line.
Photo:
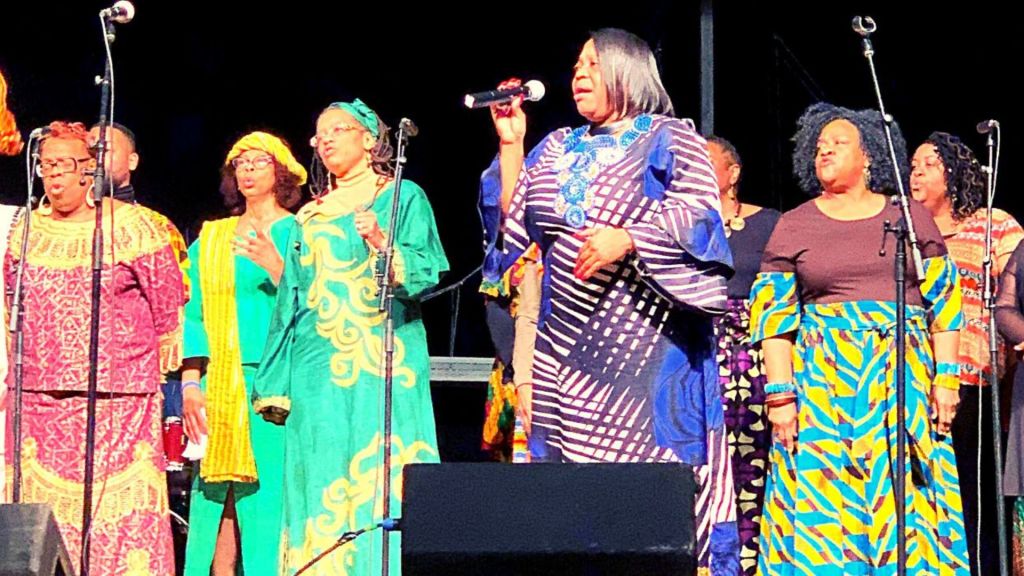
[258,504]
[322,371]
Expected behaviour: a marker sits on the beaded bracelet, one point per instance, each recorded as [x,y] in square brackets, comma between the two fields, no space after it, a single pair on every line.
[951,368]
[780,401]
[779,387]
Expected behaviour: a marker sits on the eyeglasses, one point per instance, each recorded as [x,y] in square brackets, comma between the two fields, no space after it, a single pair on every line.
[333,132]
[257,163]
[58,166]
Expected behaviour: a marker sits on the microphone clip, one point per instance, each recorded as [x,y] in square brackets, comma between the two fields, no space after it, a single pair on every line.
[864,26]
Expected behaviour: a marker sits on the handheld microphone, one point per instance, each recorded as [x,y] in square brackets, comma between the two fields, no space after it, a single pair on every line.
[532,91]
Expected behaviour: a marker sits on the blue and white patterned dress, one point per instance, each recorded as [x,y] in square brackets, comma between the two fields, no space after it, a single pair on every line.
[624,369]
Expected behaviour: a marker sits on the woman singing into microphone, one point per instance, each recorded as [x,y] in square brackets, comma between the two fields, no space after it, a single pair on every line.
[625,210]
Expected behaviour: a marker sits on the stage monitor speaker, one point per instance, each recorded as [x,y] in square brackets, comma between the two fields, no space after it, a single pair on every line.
[541,519]
[30,543]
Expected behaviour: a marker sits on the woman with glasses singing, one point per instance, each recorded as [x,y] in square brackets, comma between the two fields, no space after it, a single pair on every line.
[322,367]
[139,339]
[235,514]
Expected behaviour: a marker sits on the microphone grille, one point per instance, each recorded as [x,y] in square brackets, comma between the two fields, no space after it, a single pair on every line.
[129,11]
[537,90]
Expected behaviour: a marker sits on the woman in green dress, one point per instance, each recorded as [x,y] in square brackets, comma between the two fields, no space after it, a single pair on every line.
[235,516]
[322,369]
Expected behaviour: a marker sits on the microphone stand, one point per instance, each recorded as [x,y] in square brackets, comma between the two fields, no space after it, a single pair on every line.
[384,272]
[17,319]
[100,184]
[993,350]
[903,232]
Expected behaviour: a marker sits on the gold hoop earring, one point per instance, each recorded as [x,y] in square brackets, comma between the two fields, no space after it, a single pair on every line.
[44,208]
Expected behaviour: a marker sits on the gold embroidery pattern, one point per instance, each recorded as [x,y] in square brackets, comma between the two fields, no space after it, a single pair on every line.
[348,320]
[282,402]
[343,498]
[139,487]
[137,562]
[68,245]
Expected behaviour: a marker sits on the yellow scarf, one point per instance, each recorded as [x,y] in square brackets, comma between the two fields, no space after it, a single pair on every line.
[229,456]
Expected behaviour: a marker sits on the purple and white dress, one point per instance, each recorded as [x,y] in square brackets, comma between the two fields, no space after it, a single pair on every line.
[624,368]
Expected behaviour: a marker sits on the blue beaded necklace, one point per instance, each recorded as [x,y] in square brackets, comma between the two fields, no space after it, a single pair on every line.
[583,159]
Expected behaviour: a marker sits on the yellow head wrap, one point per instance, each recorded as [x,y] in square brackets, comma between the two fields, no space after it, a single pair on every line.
[271,145]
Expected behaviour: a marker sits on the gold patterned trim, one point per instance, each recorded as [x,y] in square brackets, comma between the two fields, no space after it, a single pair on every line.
[171,346]
[282,402]
[344,498]
[66,245]
[139,486]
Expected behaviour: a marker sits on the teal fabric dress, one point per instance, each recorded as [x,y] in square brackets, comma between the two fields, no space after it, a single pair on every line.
[258,505]
[322,374]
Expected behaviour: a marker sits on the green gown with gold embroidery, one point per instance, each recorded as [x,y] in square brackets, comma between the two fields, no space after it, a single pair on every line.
[323,368]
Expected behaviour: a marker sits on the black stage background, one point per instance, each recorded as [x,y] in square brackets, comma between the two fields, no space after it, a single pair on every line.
[191,77]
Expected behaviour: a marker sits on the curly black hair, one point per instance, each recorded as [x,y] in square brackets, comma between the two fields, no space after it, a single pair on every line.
[871,127]
[965,180]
